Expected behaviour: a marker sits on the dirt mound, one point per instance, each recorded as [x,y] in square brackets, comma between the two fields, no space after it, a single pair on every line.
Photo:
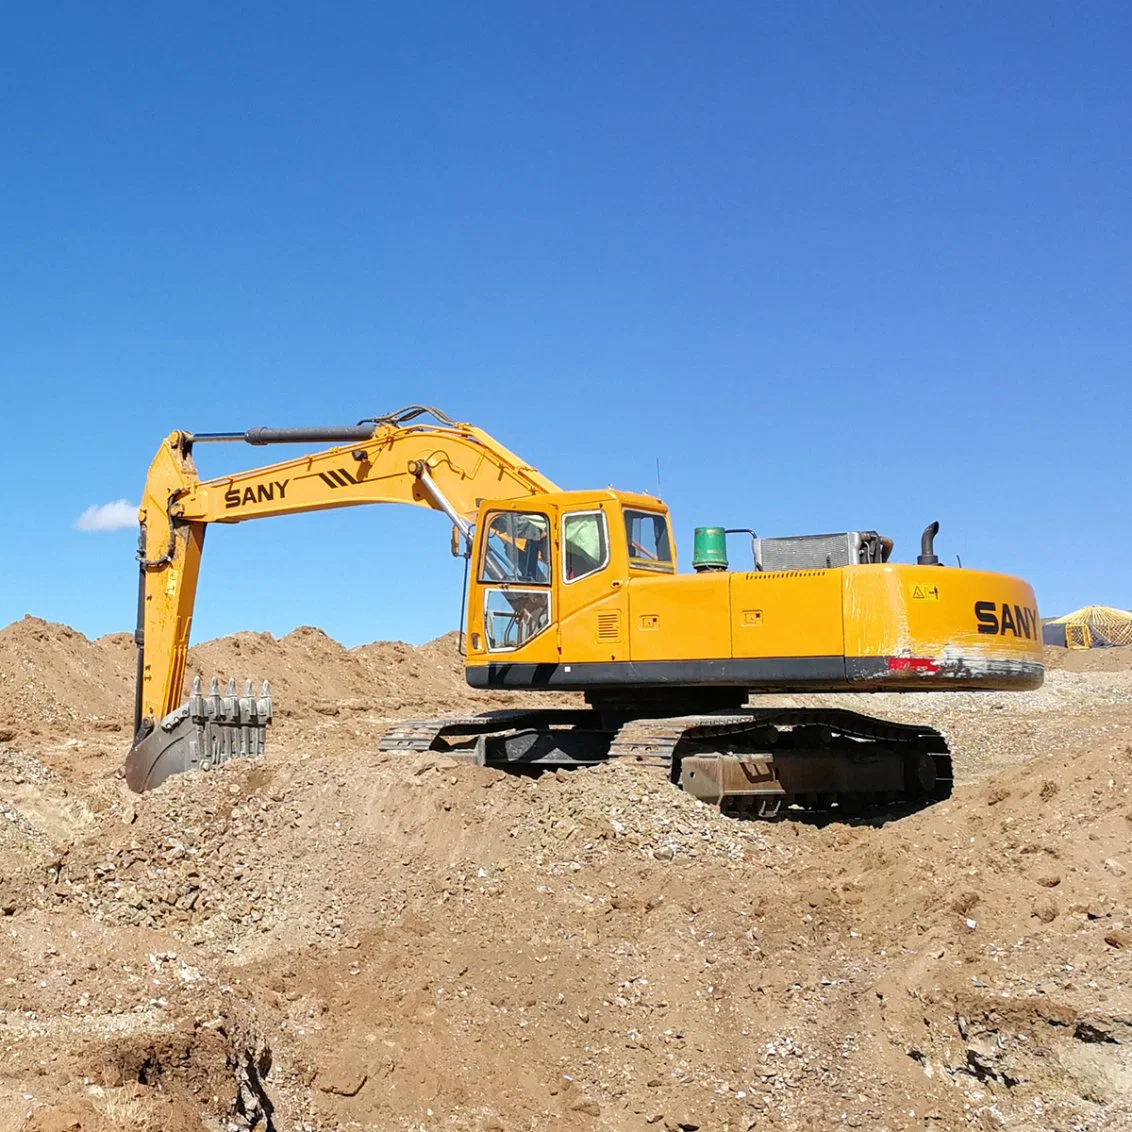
[310,673]
[1089,660]
[51,675]
[332,937]
[416,936]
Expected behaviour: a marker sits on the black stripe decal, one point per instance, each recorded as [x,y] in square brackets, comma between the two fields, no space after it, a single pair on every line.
[779,674]
[326,479]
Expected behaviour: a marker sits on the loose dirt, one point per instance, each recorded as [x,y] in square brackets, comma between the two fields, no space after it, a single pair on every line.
[334,938]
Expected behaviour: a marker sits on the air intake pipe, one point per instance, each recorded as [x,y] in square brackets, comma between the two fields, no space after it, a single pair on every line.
[927,555]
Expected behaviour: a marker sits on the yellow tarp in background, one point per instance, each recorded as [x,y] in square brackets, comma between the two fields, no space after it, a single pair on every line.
[1096,626]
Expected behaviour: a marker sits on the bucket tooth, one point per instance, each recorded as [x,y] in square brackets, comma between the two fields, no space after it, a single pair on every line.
[263,718]
[247,720]
[214,705]
[196,701]
[231,718]
[210,737]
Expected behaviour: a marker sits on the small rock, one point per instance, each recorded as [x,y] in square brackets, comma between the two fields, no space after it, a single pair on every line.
[586,1106]
[1053,1012]
[1115,867]
[341,1082]
[1119,939]
[964,902]
[1050,880]
[1045,908]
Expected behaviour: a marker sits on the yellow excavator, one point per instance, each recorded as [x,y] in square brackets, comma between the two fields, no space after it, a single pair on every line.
[578,591]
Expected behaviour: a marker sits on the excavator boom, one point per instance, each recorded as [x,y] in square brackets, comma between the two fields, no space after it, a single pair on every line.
[417,456]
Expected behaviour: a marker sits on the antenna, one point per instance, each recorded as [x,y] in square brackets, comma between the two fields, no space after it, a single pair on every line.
[659,494]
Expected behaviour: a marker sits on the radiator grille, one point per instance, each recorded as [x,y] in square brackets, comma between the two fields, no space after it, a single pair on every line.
[809,552]
[609,626]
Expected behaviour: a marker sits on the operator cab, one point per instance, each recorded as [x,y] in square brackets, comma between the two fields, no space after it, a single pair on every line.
[563,548]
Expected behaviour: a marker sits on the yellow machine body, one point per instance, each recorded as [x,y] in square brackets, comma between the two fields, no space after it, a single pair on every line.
[637,623]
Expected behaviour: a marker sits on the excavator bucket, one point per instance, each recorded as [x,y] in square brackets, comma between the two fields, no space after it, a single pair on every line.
[204,732]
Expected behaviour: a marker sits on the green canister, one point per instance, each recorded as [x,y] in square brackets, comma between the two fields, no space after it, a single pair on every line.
[709,549]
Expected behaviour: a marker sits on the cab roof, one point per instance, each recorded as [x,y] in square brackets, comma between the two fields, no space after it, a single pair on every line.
[592,497]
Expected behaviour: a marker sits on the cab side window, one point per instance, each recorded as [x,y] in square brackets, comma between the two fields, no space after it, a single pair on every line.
[649,545]
[585,545]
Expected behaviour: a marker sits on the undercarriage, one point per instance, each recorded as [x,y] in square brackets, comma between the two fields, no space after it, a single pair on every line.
[752,762]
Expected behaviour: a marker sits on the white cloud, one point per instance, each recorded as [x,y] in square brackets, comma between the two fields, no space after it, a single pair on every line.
[116,516]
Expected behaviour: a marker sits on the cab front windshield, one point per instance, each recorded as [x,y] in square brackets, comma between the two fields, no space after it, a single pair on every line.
[647,535]
[517,548]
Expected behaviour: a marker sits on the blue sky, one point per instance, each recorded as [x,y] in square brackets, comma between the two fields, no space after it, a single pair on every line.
[837,265]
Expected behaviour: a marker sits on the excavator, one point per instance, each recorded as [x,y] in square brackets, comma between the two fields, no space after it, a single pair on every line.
[578,591]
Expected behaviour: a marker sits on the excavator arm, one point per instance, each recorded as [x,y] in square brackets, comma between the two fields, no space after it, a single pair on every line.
[400,458]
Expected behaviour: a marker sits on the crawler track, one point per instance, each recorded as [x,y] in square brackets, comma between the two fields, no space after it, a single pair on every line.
[756,762]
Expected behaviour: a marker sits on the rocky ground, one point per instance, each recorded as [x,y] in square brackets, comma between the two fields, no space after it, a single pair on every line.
[333,938]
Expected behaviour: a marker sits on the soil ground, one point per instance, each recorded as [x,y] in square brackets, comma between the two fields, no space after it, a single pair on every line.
[331,938]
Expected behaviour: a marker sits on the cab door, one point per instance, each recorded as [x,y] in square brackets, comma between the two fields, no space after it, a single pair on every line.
[513,603]
[592,605]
